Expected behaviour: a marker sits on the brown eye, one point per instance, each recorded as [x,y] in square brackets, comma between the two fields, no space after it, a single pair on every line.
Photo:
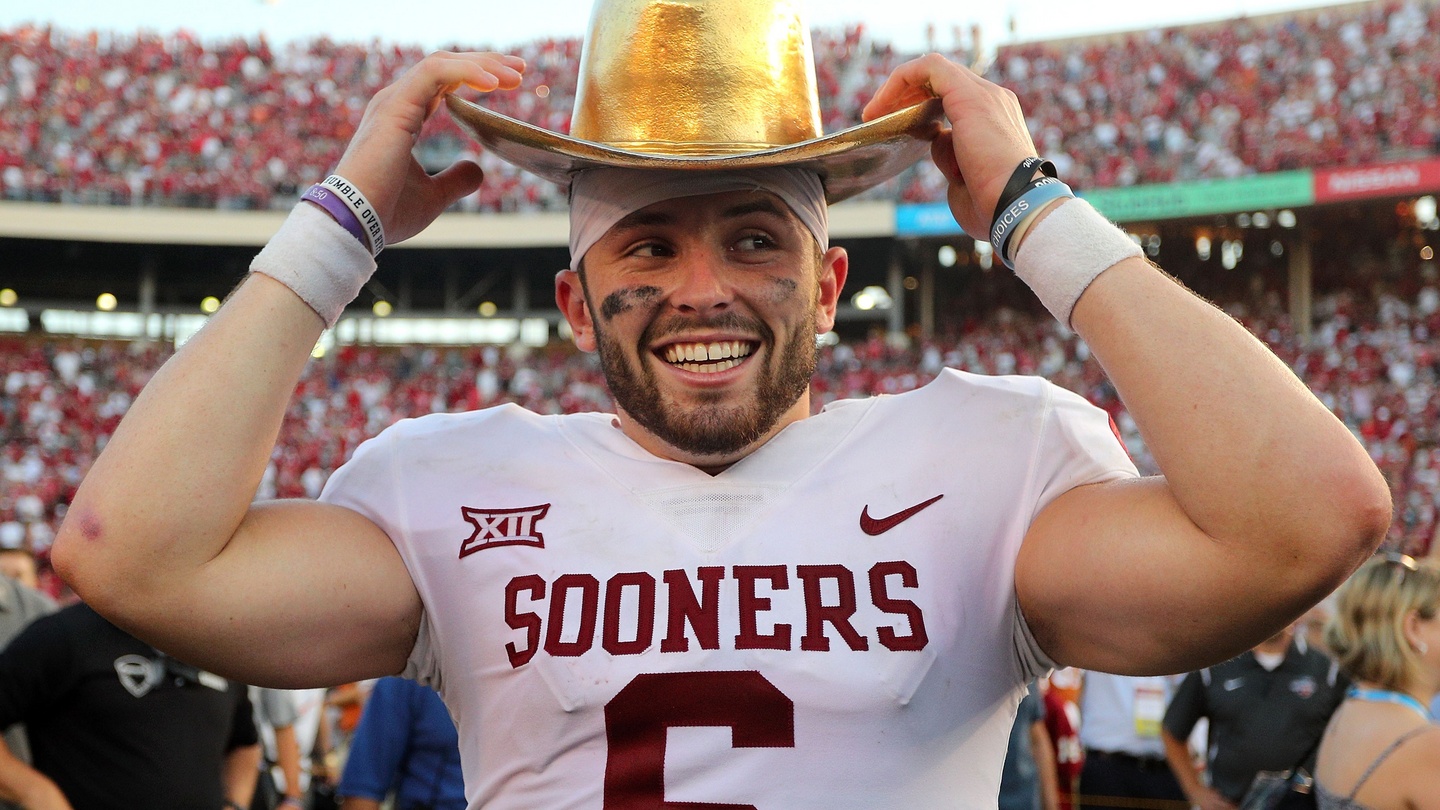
[650,250]
[755,241]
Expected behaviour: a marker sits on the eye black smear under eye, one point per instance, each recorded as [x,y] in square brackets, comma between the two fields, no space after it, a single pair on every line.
[625,299]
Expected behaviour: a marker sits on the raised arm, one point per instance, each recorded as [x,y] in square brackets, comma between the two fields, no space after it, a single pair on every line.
[162,537]
[1267,501]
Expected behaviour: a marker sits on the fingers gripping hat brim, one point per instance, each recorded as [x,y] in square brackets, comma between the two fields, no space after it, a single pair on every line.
[848,162]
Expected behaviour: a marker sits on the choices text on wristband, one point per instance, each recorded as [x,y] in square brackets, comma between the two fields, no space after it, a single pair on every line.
[1034,197]
[361,209]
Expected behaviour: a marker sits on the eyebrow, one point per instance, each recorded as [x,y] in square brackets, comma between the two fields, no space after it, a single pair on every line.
[643,218]
[764,205]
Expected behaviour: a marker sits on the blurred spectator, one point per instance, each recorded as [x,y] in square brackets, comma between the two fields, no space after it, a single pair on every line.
[1381,748]
[114,724]
[1029,781]
[406,748]
[1062,723]
[313,742]
[278,780]
[18,564]
[1267,709]
[1120,732]
[345,704]
[20,604]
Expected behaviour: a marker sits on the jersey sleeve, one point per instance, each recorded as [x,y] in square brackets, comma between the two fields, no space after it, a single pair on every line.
[1077,445]
[369,483]
[37,669]
[1032,661]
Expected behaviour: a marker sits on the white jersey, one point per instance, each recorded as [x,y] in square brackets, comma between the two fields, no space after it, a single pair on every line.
[829,623]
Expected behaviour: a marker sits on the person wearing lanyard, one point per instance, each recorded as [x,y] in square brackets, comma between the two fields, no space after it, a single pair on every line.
[1381,748]
[1120,732]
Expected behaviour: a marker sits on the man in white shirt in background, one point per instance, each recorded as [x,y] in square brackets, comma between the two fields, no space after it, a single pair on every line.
[1120,720]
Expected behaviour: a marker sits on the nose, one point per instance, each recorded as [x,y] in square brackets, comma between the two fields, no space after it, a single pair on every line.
[702,284]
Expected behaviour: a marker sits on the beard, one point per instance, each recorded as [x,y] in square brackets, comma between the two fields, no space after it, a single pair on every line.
[715,427]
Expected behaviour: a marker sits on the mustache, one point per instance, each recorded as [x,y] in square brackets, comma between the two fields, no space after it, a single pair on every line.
[662,328]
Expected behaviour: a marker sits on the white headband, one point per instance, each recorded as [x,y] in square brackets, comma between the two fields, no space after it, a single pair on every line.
[599,198]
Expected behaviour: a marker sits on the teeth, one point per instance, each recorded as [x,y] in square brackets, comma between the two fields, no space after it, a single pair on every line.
[710,368]
[716,356]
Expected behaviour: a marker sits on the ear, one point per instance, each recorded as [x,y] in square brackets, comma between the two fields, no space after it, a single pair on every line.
[1411,625]
[834,268]
[570,298]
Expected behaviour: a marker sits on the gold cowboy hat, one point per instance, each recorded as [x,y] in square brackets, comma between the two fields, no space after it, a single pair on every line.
[704,85]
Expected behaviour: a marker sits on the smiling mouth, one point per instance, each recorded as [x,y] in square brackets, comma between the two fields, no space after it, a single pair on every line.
[707,358]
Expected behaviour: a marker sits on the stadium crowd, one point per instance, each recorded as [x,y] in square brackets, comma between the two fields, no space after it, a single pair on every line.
[1352,85]
[152,119]
[1375,362]
[167,119]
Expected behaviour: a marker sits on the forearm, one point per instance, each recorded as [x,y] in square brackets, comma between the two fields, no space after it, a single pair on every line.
[359,803]
[26,786]
[240,770]
[1177,754]
[1044,752]
[287,755]
[1249,453]
[177,477]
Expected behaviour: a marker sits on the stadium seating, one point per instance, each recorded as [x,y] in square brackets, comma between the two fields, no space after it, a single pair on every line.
[166,119]
[1344,86]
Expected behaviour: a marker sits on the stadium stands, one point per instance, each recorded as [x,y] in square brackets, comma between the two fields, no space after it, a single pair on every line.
[1344,86]
[168,120]
[165,119]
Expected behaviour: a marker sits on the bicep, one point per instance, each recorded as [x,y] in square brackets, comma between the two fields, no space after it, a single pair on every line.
[1116,577]
[304,594]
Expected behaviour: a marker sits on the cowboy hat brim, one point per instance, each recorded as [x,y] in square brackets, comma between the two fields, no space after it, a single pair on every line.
[848,162]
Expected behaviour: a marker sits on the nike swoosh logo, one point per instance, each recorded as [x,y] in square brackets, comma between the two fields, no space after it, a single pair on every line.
[873,526]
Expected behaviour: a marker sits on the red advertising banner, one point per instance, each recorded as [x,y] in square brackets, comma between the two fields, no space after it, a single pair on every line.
[1383,180]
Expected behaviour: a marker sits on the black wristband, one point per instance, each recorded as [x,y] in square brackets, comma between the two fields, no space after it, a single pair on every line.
[1035,197]
[1020,181]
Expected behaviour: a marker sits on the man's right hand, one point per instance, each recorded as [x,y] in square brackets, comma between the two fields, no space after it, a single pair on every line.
[379,160]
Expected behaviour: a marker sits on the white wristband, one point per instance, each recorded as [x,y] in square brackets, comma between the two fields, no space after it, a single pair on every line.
[318,259]
[1066,250]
